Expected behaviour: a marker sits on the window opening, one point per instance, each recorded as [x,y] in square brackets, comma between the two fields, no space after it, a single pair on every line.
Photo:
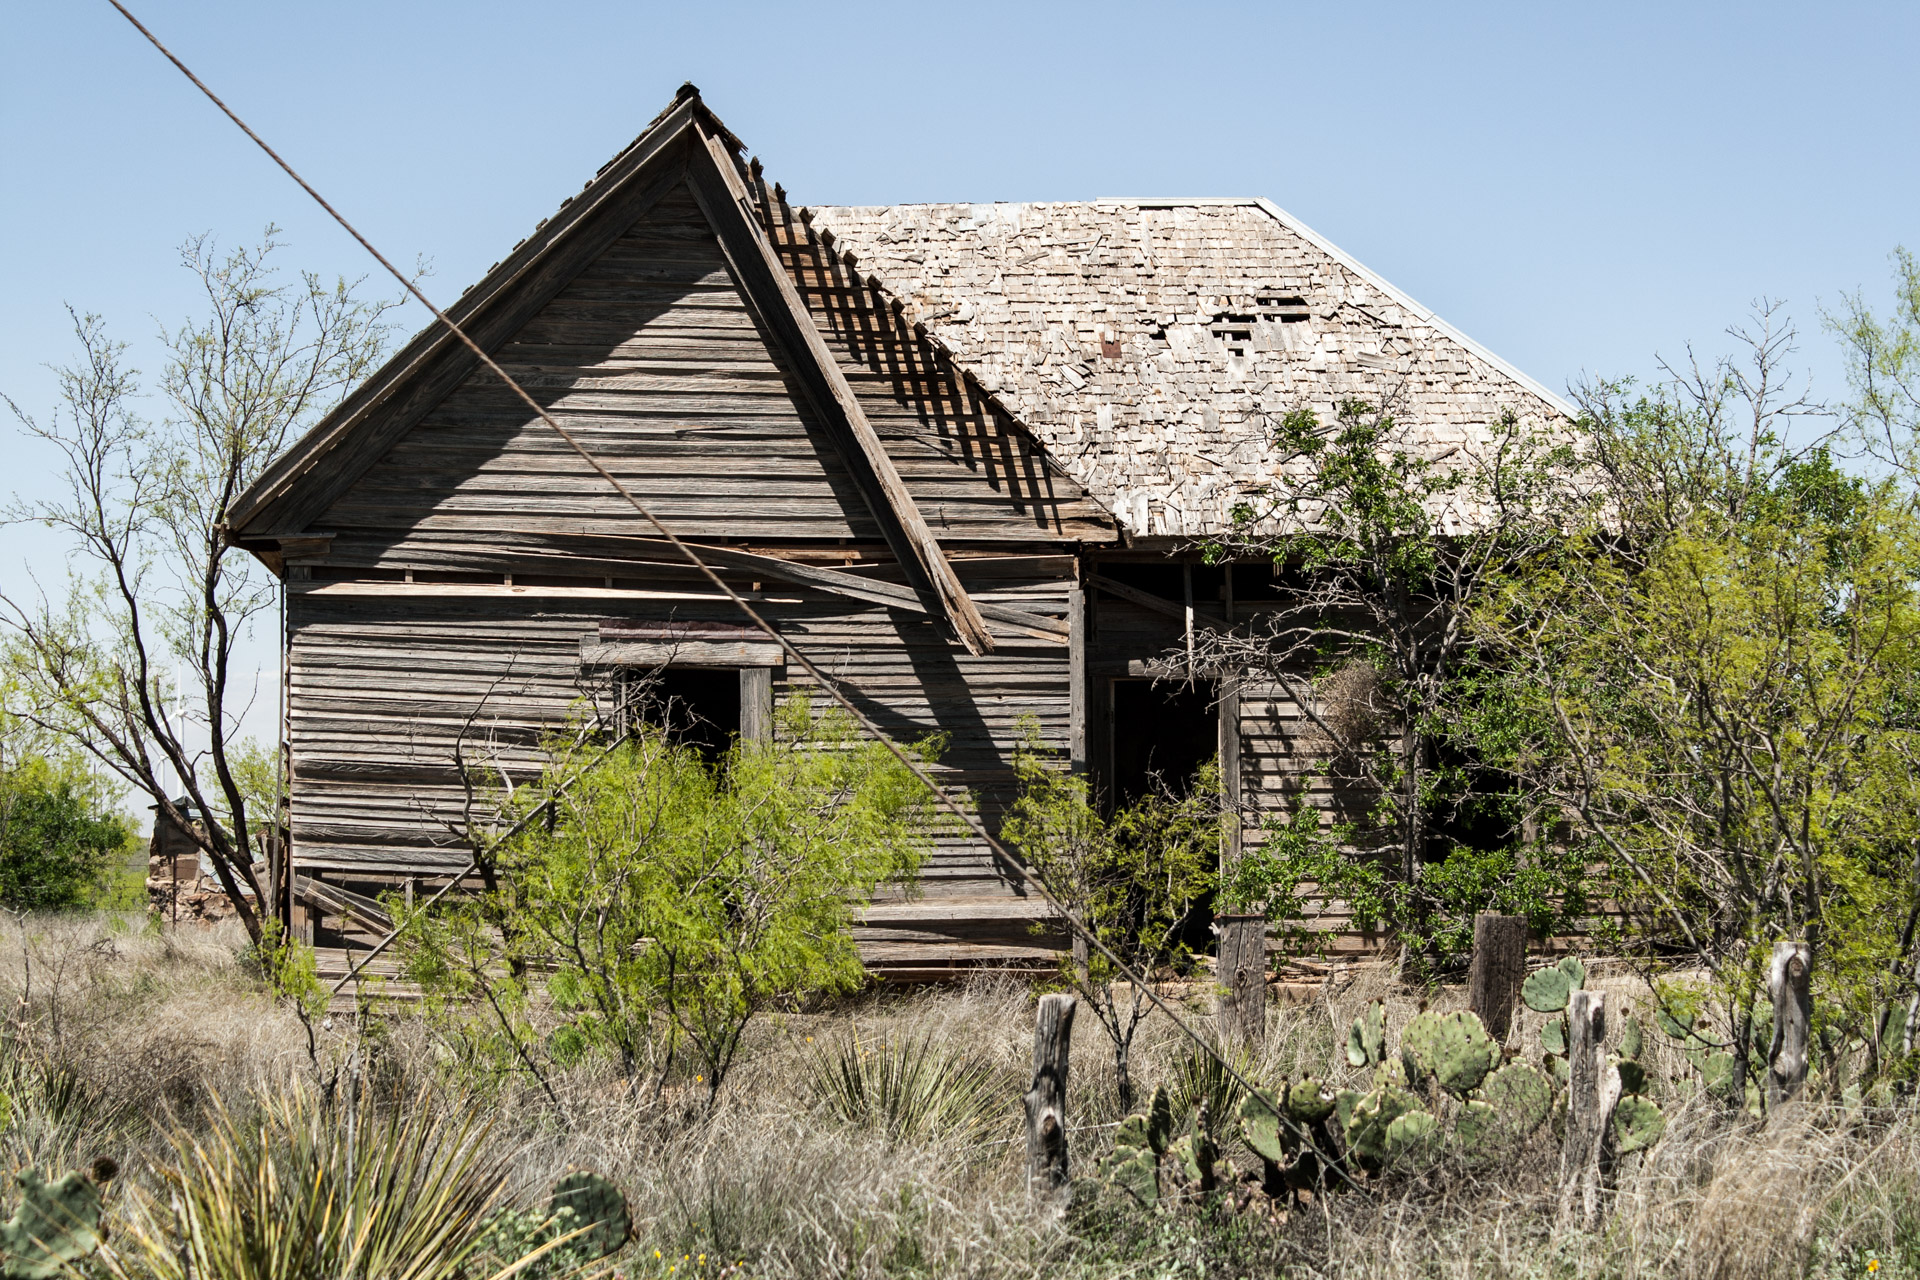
[699,707]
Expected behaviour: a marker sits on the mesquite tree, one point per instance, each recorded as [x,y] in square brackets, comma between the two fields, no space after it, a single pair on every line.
[133,660]
[1384,549]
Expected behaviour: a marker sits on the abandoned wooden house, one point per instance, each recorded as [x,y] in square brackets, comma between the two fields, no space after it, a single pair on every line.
[960,454]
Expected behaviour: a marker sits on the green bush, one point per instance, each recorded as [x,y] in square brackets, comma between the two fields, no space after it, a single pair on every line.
[60,843]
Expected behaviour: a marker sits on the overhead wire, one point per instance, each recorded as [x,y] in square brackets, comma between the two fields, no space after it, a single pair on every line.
[1139,982]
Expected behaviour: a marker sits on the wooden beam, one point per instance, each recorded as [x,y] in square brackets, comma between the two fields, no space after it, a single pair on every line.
[763,278]
[840,582]
[1147,600]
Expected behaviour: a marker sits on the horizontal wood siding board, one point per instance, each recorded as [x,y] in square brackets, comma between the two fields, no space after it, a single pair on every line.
[381,687]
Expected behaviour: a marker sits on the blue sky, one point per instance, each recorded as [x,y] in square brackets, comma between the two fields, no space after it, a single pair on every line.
[1578,187]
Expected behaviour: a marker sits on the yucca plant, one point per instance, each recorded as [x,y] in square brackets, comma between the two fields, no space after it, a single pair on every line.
[300,1192]
[911,1089]
[1194,1077]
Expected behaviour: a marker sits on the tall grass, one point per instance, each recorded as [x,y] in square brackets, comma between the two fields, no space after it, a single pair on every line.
[819,1162]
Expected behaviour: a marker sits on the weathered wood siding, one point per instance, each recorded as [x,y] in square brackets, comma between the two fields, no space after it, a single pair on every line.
[443,621]
[655,360]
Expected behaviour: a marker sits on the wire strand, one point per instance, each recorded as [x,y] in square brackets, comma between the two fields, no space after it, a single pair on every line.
[832,687]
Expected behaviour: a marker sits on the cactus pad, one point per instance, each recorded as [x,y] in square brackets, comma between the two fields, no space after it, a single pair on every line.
[56,1225]
[1135,1171]
[1391,1074]
[1309,1101]
[1546,990]
[1131,1133]
[1412,1134]
[1477,1127]
[1160,1121]
[1367,1038]
[1717,1071]
[1260,1128]
[1637,1124]
[1343,1104]
[1633,1077]
[600,1211]
[1453,1048]
[1553,1036]
[1522,1095]
[1373,1114]
[1631,1040]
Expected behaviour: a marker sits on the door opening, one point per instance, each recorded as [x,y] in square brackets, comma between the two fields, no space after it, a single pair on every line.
[1162,734]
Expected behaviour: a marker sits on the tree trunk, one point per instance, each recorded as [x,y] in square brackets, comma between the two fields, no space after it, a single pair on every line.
[1789,982]
[1592,1090]
[1241,971]
[1046,1101]
[1499,967]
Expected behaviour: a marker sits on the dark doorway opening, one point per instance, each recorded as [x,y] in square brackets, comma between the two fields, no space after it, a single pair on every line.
[1162,733]
[699,707]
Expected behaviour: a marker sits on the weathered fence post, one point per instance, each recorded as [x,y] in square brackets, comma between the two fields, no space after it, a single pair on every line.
[1790,983]
[1047,1174]
[1241,971]
[1499,967]
[1593,1088]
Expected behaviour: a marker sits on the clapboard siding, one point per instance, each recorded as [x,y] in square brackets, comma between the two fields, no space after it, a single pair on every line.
[655,360]
[384,690]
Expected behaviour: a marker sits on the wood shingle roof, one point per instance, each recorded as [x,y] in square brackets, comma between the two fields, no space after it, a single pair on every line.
[1151,344]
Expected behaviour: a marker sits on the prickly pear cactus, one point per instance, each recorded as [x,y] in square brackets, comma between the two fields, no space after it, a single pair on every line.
[1553,1035]
[1343,1104]
[1546,990]
[1160,1121]
[1717,1070]
[1261,1130]
[1632,1040]
[1453,1048]
[1391,1074]
[1477,1126]
[1367,1038]
[1373,1114]
[1134,1166]
[598,1207]
[1135,1171]
[1309,1101]
[56,1225]
[1637,1124]
[1521,1096]
[1193,1157]
[1413,1134]
[1633,1076]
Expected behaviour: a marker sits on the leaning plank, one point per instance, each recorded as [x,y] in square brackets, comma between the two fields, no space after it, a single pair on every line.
[1147,600]
[764,279]
[333,899]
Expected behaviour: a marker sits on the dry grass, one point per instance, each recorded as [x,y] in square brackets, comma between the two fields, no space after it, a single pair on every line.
[153,1026]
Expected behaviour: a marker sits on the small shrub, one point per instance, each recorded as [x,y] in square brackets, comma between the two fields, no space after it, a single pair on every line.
[911,1089]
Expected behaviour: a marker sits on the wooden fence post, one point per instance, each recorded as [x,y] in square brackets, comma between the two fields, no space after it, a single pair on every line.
[1592,1090]
[1047,1174]
[1499,967]
[1790,983]
[1241,971]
